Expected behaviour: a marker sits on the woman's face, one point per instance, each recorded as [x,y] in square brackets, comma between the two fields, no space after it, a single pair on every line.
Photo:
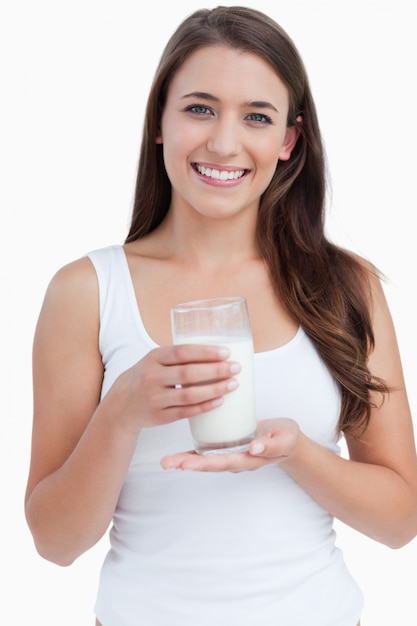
[223,131]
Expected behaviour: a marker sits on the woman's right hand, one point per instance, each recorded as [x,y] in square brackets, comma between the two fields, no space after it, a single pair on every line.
[174,382]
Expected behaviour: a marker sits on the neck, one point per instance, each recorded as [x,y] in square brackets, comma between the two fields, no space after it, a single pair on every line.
[210,242]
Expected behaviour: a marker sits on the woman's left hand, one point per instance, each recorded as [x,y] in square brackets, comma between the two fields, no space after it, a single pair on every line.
[275,441]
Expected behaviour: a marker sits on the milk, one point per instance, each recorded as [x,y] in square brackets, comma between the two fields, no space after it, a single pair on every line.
[233,424]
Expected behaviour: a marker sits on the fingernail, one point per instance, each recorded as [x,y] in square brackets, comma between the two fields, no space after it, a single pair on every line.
[231,385]
[224,353]
[217,402]
[257,448]
[235,368]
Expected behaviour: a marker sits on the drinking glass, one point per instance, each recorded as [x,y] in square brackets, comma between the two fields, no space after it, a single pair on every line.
[223,322]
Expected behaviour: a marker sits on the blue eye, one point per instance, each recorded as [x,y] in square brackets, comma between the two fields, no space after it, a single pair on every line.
[199,109]
[259,118]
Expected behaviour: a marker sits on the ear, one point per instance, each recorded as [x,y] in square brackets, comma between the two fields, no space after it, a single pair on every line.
[158,139]
[291,136]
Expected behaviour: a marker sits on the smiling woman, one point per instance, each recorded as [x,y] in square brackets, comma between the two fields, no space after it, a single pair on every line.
[229,201]
[222,134]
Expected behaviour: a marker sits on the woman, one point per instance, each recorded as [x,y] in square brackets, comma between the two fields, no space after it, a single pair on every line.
[229,201]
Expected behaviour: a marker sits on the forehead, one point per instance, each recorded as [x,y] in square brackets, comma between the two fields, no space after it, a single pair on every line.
[221,70]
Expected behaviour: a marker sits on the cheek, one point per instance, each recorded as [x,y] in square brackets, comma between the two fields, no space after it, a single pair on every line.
[175,154]
[172,146]
[267,160]
[268,150]
[178,141]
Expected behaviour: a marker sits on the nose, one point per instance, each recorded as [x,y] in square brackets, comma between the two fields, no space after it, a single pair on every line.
[224,138]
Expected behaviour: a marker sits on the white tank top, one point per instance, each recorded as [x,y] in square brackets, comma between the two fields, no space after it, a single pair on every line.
[220,549]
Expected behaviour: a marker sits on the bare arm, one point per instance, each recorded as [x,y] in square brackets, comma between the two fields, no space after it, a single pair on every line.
[81,447]
[375,491]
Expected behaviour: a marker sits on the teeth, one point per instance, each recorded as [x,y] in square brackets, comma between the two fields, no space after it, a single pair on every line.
[217,174]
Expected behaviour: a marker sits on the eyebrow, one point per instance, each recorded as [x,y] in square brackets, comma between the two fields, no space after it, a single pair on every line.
[259,104]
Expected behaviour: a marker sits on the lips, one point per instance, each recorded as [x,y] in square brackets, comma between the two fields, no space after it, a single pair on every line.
[218,174]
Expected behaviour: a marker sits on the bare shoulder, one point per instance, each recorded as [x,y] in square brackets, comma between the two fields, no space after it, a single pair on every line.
[71,298]
[369,269]
[68,324]
[73,280]
[79,269]
[371,280]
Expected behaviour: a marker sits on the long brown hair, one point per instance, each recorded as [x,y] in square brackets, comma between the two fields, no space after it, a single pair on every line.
[323,286]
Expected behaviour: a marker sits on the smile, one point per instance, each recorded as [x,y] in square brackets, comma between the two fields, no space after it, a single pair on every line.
[219,174]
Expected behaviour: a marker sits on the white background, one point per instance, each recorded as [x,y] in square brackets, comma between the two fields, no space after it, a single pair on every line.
[74,78]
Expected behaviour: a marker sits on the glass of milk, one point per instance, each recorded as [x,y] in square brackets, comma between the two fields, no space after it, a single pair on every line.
[221,322]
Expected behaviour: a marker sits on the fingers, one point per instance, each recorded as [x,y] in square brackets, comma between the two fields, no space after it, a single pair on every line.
[184,411]
[197,378]
[191,353]
[276,438]
[198,373]
[177,382]
[200,391]
[189,364]
[233,462]
[275,441]
[191,401]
